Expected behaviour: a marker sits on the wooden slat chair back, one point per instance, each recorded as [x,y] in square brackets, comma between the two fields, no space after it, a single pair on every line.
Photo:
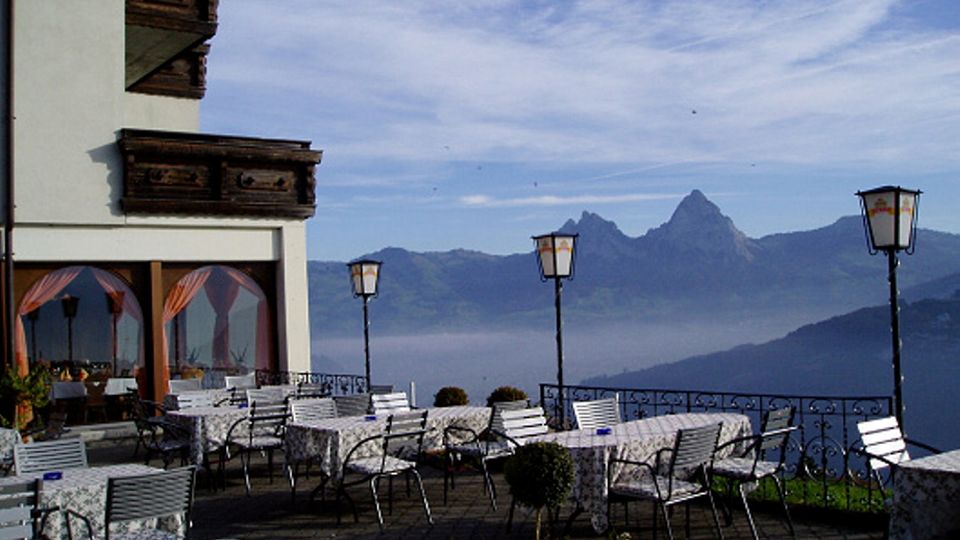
[352,405]
[59,454]
[18,509]
[693,449]
[381,388]
[193,399]
[597,413]
[521,425]
[404,433]
[309,410]
[265,429]
[883,439]
[390,403]
[308,391]
[184,385]
[497,410]
[241,382]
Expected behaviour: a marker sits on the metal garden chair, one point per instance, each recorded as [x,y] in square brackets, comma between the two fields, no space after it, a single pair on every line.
[462,442]
[352,405]
[241,382]
[35,457]
[145,497]
[403,436]
[176,386]
[307,410]
[261,431]
[264,396]
[597,413]
[679,478]
[193,399]
[19,515]
[752,464]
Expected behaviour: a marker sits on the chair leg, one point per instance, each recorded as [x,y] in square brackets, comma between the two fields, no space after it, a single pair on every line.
[666,518]
[746,508]
[423,495]
[783,500]
[488,482]
[245,461]
[513,504]
[716,517]
[376,500]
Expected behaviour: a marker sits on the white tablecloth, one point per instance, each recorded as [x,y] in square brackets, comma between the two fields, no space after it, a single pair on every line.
[330,440]
[118,386]
[637,440]
[926,498]
[217,395]
[84,491]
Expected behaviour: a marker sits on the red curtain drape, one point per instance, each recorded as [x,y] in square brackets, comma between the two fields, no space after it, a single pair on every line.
[178,299]
[264,321]
[222,290]
[44,290]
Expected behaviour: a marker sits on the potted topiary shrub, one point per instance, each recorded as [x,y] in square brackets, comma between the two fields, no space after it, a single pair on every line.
[450,396]
[505,393]
[540,475]
[26,391]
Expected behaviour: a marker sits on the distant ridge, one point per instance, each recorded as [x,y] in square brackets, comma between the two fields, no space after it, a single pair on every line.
[696,266]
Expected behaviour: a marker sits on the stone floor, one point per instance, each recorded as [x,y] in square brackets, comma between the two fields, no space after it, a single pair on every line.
[269,513]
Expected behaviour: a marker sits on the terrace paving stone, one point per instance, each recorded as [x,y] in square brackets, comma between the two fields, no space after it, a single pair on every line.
[268,513]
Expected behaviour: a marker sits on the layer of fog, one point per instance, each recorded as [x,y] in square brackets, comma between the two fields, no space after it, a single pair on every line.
[479,362]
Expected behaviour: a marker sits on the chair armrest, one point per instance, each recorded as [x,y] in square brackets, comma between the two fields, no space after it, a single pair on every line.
[447,431]
[83,518]
[346,460]
[755,441]
[869,455]
[925,446]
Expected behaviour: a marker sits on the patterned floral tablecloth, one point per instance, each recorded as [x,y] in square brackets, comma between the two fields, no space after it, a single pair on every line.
[208,427]
[637,440]
[8,438]
[329,441]
[926,492]
[84,491]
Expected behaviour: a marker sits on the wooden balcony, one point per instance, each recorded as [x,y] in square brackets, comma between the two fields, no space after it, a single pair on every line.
[169,173]
[165,50]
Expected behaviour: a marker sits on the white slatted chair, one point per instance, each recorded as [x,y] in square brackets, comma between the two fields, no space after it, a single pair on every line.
[885,446]
[598,413]
[352,405]
[19,516]
[679,478]
[261,431]
[184,385]
[309,391]
[307,410]
[145,497]
[241,382]
[390,403]
[56,455]
[521,425]
[193,399]
[404,434]
[264,396]
[461,442]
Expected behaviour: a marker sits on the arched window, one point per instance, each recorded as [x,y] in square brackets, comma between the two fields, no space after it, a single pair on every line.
[80,317]
[216,318]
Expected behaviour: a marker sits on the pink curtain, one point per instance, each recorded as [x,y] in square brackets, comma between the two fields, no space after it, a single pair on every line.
[264,321]
[44,290]
[113,285]
[222,292]
[178,299]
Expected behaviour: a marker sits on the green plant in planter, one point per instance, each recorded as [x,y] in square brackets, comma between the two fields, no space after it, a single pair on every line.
[450,396]
[540,475]
[31,389]
[506,393]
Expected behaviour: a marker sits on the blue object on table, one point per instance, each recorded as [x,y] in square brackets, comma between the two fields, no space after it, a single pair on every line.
[370,417]
[52,475]
[604,431]
[242,406]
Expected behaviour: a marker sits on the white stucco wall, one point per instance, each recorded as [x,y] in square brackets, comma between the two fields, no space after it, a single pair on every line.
[144,111]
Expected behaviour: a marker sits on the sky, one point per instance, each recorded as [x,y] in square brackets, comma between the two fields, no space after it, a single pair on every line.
[477,124]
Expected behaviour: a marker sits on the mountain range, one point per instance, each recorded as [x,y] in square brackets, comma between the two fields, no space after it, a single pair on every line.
[695,267]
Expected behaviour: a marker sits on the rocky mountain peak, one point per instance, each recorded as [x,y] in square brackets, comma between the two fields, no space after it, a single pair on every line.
[697,225]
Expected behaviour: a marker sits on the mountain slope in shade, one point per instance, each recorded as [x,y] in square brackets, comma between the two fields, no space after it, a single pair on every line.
[847,355]
[697,266]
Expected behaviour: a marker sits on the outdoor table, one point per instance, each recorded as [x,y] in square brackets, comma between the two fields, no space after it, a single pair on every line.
[8,439]
[119,386]
[925,498]
[330,440]
[637,440]
[83,490]
[208,427]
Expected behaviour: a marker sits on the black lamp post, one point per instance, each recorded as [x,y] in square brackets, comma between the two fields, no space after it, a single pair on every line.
[364,275]
[555,254]
[889,216]
[115,307]
[69,304]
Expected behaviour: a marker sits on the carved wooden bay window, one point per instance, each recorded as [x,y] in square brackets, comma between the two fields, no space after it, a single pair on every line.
[195,174]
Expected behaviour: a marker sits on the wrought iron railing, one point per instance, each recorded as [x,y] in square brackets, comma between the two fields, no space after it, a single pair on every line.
[821,468]
[334,383]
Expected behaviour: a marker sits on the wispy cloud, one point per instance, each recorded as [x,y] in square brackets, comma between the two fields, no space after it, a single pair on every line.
[554,200]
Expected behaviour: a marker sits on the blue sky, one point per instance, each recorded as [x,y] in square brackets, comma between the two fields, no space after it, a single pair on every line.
[477,124]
